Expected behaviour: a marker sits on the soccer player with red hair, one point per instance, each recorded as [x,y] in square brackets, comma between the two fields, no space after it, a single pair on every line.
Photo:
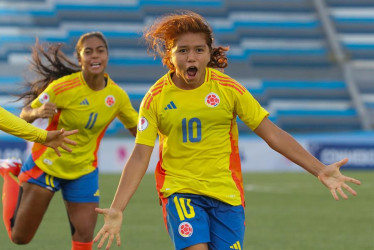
[193,108]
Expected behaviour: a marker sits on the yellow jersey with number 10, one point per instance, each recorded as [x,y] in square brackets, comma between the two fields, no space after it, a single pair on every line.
[80,107]
[198,135]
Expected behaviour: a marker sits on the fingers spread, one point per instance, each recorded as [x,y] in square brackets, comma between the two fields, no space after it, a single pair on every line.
[342,194]
[98,235]
[357,182]
[71,132]
[333,192]
[349,189]
[71,142]
[66,148]
[103,238]
[100,210]
[57,152]
[343,162]
[118,239]
[110,240]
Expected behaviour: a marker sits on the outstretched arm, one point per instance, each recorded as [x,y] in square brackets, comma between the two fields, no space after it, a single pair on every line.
[285,144]
[132,174]
[16,126]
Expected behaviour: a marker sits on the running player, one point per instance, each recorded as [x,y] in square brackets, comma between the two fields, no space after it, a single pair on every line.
[75,96]
[193,108]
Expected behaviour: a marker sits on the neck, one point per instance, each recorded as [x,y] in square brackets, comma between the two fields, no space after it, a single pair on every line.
[95,82]
[182,84]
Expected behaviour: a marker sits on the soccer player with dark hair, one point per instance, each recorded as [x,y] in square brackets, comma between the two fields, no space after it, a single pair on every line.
[72,96]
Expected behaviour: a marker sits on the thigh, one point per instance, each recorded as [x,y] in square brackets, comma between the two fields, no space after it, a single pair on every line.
[187,221]
[227,226]
[81,198]
[33,203]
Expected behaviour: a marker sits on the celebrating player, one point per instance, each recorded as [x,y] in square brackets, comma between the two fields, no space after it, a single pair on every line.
[193,108]
[75,96]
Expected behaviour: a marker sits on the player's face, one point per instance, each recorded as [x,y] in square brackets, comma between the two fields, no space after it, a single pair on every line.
[93,56]
[190,56]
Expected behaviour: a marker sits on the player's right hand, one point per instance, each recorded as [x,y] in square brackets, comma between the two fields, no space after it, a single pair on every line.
[58,138]
[47,110]
[111,228]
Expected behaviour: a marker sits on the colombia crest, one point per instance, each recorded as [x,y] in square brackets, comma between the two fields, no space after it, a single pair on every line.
[212,100]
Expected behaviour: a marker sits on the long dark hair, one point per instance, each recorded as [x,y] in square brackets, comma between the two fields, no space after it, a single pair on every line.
[50,63]
[161,36]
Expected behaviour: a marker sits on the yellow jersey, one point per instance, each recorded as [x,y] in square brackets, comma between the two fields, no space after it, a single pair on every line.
[80,107]
[198,135]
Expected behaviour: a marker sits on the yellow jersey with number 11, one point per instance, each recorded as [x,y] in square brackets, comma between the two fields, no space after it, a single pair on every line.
[80,107]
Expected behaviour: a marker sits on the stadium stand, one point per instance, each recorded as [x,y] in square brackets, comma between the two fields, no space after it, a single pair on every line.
[354,22]
[279,50]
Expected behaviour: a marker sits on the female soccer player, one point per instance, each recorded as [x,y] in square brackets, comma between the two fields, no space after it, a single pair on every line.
[13,125]
[193,108]
[75,96]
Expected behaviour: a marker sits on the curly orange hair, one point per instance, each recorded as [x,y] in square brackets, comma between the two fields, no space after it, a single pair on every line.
[162,34]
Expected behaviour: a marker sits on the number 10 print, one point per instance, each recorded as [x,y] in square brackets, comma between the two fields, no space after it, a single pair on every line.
[191,130]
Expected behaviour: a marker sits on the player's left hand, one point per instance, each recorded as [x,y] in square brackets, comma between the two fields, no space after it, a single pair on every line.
[111,228]
[332,178]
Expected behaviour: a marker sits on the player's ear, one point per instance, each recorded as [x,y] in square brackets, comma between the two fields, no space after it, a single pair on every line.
[79,60]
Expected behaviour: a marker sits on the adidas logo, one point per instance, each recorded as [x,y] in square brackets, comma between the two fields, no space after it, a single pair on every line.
[97,193]
[236,245]
[171,105]
[84,102]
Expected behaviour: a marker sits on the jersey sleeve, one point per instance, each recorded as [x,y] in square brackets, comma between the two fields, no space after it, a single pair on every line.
[148,122]
[48,95]
[127,115]
[16,126]
[249,110]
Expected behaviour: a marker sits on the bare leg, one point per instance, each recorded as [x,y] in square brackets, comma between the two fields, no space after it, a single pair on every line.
[33,205]
[82,218]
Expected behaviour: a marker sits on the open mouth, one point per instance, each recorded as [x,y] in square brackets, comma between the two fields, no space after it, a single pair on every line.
[191,71]
[95,65]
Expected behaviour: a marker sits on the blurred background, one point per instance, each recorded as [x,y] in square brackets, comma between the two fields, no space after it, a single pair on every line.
[310,63]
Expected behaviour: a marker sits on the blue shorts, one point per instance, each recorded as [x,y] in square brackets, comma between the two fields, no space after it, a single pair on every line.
[193,219]
[84,189]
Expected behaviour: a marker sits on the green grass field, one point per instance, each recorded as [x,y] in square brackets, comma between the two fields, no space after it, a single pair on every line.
[284,211]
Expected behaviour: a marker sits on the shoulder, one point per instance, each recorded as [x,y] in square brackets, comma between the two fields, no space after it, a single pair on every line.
[159,86]
[225,82]
[114,86]
[66,83]
[155,90]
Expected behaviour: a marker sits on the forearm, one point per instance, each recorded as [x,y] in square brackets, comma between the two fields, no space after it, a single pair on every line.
[132,174]
[12,124]
[29,114]
[286,145]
